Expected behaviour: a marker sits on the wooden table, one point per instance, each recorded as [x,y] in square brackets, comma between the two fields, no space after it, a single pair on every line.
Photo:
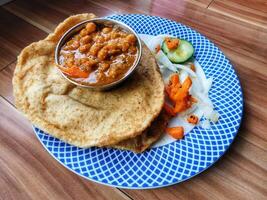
[238,27]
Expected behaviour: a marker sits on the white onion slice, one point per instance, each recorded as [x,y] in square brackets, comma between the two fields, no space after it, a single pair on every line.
[208,84]
[214,117]
[183,75]
[146,38]
[190,110]
[187,69]
[164,60]
[205,124]
[155,41]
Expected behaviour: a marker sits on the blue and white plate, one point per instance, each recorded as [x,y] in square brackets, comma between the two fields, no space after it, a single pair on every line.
[178,160]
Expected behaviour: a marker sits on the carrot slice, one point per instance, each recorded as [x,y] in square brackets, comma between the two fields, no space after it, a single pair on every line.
[173,86]
[181,106]
[172,43]
[168,90]
[192,119]
[187,84]
[176,132]
[192,66]
[181,96]
[169,110]
[174,79]
[179,93]
[157,48]
[74,71]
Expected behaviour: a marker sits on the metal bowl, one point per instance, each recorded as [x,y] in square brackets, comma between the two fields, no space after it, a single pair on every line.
[99,21]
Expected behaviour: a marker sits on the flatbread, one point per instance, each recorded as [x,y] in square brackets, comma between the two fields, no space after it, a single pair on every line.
[80,116]
[142,142]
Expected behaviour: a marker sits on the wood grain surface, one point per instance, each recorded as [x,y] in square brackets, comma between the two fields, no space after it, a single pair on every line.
[238,27]
[254,12]
[15,34]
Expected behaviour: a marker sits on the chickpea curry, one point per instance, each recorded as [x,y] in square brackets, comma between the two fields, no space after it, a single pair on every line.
[98,54]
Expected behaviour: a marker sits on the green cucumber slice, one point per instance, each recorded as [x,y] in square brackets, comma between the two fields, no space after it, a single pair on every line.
[164,47]
[182,53]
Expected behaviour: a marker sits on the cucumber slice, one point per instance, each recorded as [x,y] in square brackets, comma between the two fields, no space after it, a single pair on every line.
[182,53]
[164,48]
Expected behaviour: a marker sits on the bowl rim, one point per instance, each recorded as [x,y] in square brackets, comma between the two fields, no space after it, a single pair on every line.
[72,31]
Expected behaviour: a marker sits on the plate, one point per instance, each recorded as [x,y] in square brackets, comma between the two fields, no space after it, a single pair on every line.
[172,162]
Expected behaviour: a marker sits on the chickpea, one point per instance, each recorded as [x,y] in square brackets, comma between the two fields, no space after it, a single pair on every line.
[78,62]
[77,37]
[100,76]
[99,39]
[108,46]
[115,70]
[106,30]
[114,51]
[84,32]
[112,48]
[130,38]
[70,42]
[107,37]
[70,62]
[133,49]
[68,56]
[96,36]
[111,45]
[83,60]
[75,45]
[129,59]
[93,35]
[84,48]
[92,61]
[123,34]
[120,66]
[95,48]
[124,46]
[90,27]
[86,39]
[103,67]
[112,72]
[72,46]
[114,35]
[87,66]
[102,54]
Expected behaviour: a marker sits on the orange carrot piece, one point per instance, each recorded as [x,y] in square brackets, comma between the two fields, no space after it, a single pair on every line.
[168,90]
[187,83]
[179,93]
[192,66]
[74,72]
[176,132]
[180,106]
[174,79]
[167,39]
[192,119]
[169,110]
[157,48]
[182,96]
[173,86]
[172,43]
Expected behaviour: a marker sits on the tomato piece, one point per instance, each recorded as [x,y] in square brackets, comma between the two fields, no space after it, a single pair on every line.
[74,72]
